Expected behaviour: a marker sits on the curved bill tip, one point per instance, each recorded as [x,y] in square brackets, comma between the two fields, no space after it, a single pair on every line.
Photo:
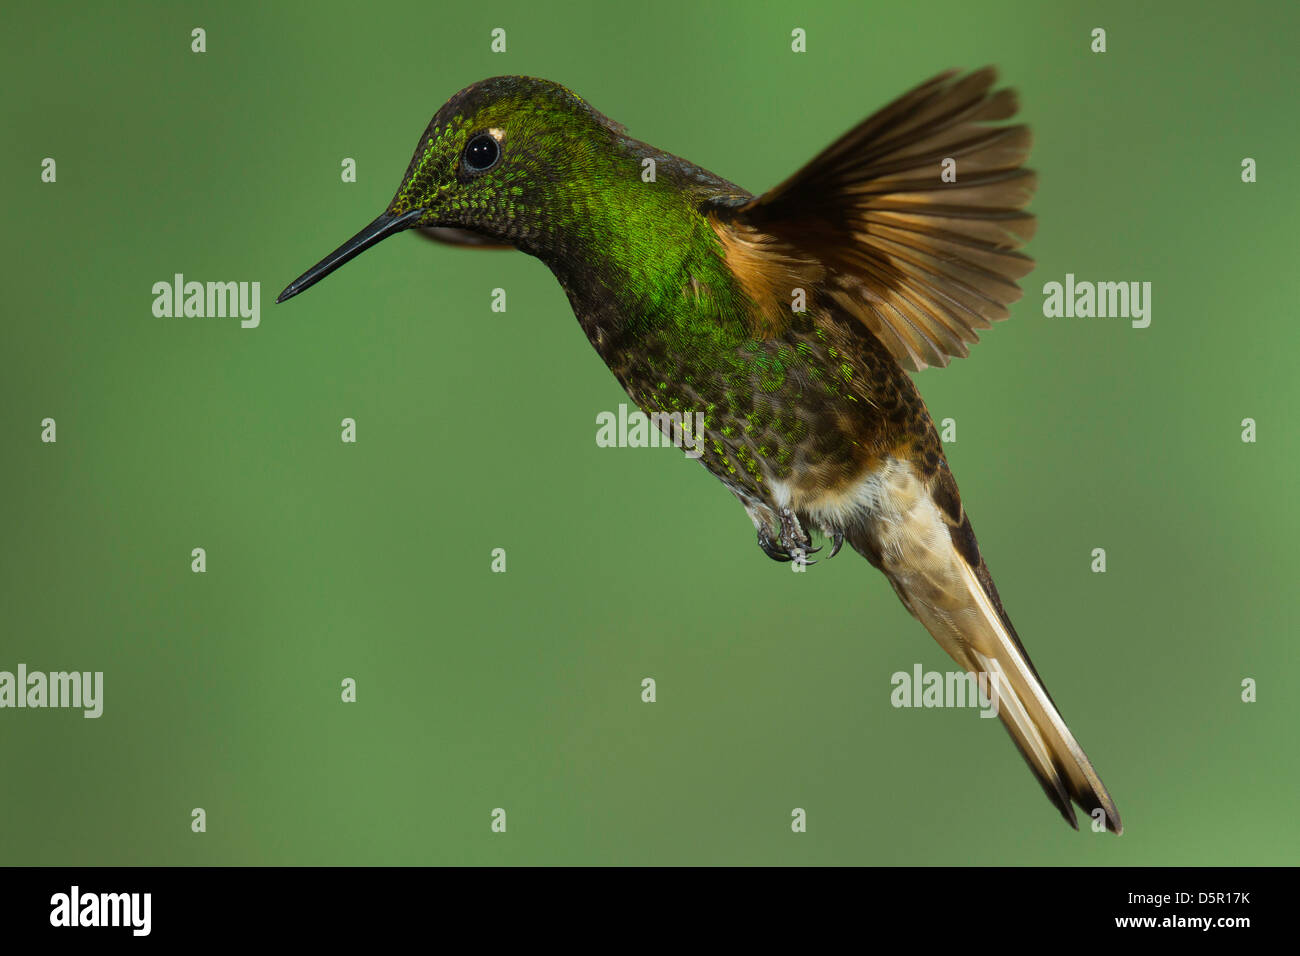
[383,227]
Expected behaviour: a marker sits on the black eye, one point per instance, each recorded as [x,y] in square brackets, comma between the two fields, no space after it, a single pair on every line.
[481,153]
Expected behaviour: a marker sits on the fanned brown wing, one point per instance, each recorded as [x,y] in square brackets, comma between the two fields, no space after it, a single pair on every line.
[921,262]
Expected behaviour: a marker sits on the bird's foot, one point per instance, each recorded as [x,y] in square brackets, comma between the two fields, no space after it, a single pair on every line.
[794,539]
[837,538]
[781,536]
[771,548]
[791,543]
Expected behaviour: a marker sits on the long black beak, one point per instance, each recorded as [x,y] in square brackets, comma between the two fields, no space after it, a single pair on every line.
[381,228]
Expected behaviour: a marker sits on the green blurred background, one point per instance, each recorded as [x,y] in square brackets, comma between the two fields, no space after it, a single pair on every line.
[477,430]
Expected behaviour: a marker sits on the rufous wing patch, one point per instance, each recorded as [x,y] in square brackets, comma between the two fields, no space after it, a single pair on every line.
[768,272]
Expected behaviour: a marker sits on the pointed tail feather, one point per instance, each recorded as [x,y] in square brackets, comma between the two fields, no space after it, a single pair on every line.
[906,535]
[1028,711]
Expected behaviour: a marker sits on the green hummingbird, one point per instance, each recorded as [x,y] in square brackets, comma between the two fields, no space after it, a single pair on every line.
[783,325]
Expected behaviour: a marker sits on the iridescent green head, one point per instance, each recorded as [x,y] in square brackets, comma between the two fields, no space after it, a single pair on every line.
[503,151]
[511,160]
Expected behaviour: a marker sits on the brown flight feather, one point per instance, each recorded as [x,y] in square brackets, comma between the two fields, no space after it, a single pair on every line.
[922,263]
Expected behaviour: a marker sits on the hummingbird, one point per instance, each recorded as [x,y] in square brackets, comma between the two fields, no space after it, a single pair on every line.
[781,328]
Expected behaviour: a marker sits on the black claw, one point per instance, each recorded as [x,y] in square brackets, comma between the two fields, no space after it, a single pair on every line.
[838,538]
[771,550]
